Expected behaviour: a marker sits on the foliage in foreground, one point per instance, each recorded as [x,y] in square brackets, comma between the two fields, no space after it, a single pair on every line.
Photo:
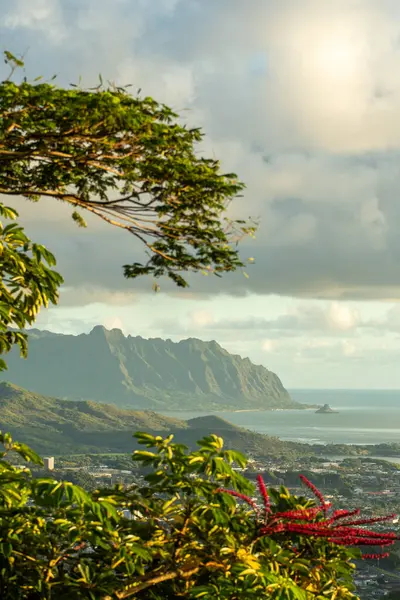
[189,537]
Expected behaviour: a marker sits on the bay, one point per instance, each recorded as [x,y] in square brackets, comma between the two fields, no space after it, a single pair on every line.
[363,417]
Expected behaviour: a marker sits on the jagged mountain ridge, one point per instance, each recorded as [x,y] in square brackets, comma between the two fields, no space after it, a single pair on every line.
[106,366]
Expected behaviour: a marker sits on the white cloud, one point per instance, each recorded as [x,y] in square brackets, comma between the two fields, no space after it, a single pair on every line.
[342,317]
[173,82]
[334,69]
[201,319]
[113,322]
[42,16]
[348,348]
[325,318]
[269,345]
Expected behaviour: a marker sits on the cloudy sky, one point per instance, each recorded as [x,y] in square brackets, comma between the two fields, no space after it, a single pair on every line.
[302,99]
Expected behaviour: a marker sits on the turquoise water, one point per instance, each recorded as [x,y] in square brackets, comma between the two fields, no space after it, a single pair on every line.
[364,417]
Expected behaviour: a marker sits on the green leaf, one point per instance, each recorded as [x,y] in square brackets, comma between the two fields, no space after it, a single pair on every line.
[145,438]
[27,453]
[140,551]
[79,220]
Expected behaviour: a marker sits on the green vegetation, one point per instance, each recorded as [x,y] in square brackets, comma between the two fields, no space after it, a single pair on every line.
[63,426]
[21,408]
[358,451]
[127,161]
[188,538]
[132,372]
[81,478]
[120,157]
[26,281]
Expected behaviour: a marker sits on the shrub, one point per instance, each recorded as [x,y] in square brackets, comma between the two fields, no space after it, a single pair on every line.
[189,537]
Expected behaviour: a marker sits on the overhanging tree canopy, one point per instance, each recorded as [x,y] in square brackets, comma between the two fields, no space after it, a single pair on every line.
[127,160]
[122,158]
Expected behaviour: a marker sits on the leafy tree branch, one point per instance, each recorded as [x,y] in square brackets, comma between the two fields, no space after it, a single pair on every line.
[127,160]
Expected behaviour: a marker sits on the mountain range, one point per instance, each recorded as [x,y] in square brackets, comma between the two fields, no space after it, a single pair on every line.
[60,427]
[133,372]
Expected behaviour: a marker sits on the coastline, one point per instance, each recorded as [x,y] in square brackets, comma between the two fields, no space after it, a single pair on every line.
[243,410]
[210,411]
[297,406]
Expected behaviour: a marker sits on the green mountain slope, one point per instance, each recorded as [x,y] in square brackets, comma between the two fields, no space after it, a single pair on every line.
[21,408]
[61,427]
[106,366]
[211,422]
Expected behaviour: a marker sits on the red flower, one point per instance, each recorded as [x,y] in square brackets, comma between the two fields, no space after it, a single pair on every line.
[370,521]
[341,514]
[299,515]
[375,556]
[316,492]
[243,497]
[334,529]
[264,493]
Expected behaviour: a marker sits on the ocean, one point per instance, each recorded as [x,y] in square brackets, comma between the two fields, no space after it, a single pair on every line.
[364,417]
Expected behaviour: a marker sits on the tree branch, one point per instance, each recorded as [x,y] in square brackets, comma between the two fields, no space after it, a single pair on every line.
[133,589]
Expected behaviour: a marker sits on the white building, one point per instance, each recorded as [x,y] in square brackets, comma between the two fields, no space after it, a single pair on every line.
[49,463]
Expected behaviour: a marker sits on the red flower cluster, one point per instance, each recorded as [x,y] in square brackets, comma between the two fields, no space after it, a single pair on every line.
[338,528]
[341,513]
[375,556]
[264,493]
[324,505]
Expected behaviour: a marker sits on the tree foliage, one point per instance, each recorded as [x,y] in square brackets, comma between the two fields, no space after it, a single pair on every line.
[26,282]
[188,537]
[127,160]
